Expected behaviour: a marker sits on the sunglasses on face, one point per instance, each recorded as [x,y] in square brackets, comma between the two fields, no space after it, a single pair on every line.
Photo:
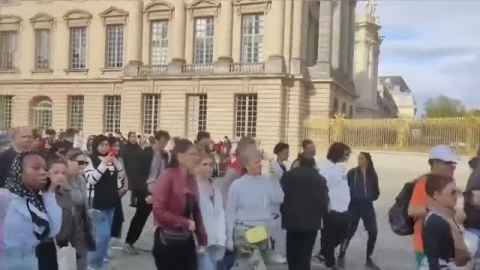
[82,162]
[450,163]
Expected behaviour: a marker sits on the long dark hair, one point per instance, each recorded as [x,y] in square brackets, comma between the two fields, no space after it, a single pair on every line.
[181,146]
[96,142]
[370,167]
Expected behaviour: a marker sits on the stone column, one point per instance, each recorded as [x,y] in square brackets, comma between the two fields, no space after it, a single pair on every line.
[135,41]
[224,41]
[135,33]
[178,44]
[298,14]
[274,37]
[351,33]
[336,34]
[178,52]
[346,39]
[324,54]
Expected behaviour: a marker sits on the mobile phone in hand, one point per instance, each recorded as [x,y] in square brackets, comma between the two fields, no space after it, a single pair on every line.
[112,152]
[47,185]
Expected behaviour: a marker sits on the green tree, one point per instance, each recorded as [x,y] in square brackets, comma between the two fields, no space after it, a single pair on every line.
[444,106]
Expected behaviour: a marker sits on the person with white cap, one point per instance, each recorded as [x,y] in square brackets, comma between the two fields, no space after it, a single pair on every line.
[443,161]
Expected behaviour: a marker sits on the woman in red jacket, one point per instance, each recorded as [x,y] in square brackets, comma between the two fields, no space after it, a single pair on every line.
[177,213]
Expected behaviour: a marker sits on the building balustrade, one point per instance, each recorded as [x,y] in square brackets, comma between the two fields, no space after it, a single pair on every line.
[197,68]
[152,70]
[247,67]
[203,69]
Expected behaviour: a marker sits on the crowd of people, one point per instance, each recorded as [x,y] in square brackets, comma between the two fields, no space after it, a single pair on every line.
[61,203]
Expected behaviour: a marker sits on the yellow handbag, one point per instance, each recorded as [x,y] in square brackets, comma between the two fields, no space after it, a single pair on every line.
[256,235]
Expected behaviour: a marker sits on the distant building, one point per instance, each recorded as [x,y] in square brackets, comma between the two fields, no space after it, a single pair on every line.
[401,94]
[387,106]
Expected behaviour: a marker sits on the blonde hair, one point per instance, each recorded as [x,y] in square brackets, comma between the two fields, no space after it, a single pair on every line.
[249,154]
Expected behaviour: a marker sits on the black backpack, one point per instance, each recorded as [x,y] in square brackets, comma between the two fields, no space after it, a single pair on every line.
[400,222]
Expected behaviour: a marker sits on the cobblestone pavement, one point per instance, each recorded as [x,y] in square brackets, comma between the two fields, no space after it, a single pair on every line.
[392,252]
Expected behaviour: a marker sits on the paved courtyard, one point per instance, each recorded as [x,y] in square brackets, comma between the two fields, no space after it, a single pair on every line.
[392,252]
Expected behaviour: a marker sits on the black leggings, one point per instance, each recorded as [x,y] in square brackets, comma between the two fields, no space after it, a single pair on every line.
[182,257]
[365,212]
[47,255]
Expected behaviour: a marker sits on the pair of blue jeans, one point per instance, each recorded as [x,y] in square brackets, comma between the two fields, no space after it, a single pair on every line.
[19,259]
[206,260]
[227,262]
[103,220]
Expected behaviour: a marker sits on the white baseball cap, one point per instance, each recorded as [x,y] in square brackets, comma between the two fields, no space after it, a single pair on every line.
[443,153]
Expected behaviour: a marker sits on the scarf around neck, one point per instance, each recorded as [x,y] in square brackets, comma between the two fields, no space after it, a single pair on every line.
[35,205]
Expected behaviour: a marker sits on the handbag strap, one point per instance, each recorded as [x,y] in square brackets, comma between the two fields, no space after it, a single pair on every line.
[190,204]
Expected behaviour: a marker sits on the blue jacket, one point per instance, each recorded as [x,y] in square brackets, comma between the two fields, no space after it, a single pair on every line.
[358,191]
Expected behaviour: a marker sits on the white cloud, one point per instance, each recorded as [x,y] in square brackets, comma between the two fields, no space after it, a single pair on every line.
[434,45]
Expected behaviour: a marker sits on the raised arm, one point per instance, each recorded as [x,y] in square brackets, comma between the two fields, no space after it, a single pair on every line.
[92,173]
[54,212]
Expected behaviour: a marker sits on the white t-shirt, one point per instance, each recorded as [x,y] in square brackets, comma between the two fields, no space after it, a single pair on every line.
[337,183]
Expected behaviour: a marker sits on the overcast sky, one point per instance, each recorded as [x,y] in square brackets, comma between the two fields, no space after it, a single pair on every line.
[434,45]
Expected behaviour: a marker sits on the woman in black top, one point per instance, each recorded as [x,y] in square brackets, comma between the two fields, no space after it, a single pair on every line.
[364,190]
[105,178]
[443,242]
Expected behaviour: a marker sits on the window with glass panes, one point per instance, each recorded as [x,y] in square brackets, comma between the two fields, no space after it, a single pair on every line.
[246,116]
[42,115]
[113,106]
[42,49]
[158,43]
[78,43]
[196,114]
[76,112]
[8,50]
[203,47]
[151,113]
[114,46]
[5,112]
[252,38]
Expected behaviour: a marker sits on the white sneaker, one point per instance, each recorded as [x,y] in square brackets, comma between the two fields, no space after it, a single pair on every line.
[116,242]
[277,258]
[128,248]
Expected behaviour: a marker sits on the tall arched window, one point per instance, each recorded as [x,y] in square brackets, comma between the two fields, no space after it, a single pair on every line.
[42,114]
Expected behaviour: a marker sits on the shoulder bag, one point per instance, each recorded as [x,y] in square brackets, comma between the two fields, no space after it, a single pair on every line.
[177,237]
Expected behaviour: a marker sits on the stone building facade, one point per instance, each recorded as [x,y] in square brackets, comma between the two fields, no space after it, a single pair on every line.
[233,67]
[367,54]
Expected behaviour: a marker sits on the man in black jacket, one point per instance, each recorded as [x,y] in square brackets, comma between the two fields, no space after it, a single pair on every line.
[306,202]
[22,140]
[472,211]
[154,161]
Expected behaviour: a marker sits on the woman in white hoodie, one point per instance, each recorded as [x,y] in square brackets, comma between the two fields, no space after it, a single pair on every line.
[213,214]
[336,222]
[279,236]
